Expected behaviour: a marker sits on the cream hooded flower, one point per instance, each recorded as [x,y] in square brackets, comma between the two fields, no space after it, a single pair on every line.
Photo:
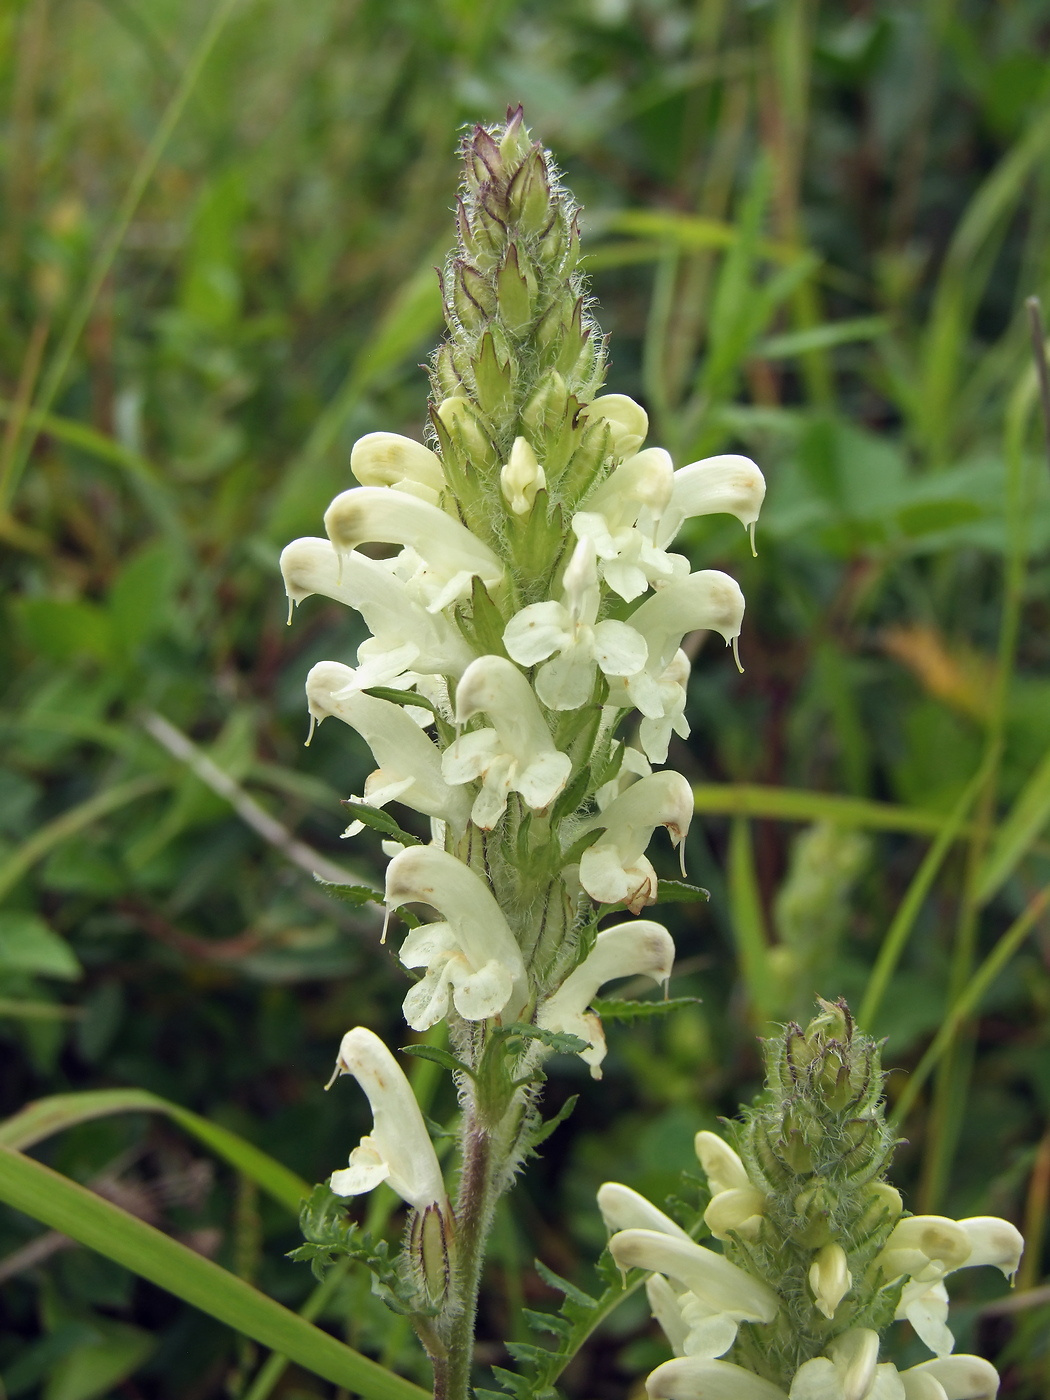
[398,1150]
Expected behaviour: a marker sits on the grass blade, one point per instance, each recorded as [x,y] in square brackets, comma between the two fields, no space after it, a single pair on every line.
[47,837]
[1019,830]
[797,805]
[64,1205]
[56,371]
[45,1117]
[745,905]
[967,1003]
[904,920]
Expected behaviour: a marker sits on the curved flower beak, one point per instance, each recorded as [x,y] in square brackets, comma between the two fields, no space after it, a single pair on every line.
[993,1241]
[708,599]
[398,1150]
[695,1378]
[728,484]
[615,870]
[407,759]
[473,956]
[452,555]
[388,459]
[628,950]
[394,618]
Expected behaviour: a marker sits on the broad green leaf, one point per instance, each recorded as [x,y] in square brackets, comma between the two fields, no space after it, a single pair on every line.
[65,629]
[44,1117]
[64,1205]
[28,945]
[140,601]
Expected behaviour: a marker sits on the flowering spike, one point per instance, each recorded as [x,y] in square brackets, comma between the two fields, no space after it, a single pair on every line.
[826,1236]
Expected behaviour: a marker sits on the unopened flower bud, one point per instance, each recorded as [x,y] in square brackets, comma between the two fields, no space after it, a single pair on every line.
[736,1212]
[388,459]
[460,418]
[830,1279]
[628,421]
[722,1166]
[521,478]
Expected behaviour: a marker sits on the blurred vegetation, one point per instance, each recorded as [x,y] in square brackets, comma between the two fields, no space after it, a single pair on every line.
[812,230]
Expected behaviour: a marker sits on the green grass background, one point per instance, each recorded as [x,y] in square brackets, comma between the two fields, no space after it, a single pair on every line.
[811,230]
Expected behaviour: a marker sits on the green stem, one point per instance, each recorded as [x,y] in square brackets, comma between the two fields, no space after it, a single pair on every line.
[452,1372]
[953,1073]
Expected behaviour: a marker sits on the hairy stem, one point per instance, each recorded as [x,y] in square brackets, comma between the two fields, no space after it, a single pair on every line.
[473,1215]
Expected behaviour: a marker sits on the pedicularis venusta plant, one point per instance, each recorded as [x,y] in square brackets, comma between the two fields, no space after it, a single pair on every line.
[523,676]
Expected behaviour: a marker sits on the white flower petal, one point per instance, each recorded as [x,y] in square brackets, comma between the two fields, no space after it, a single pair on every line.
[536,632]
[624,1209]
[366,1170]
[663,1302]
[993,1241]
[693,1378]
[717,1282]
[423,944]
[722,1166]
[710,1333]
[926,1308]
[399,1138]
[427,1002]
[566,682]
[960,1378]
[542,780]
[619,649]
[470,756]
[483,993]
